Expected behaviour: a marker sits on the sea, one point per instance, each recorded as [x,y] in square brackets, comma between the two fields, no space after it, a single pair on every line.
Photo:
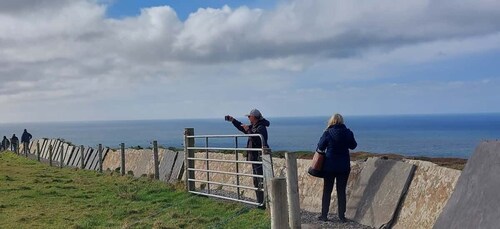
[444,135]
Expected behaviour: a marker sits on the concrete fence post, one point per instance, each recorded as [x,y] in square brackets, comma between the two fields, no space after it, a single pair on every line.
[61,157]
[38,151]
[292,189]
[155,159]
[100,157]
[122,153]
[279,216]
[82,158]
[188,153]
[50,155]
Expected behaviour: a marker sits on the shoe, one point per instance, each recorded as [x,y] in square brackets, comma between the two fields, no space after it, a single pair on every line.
[342,219]
[322,218]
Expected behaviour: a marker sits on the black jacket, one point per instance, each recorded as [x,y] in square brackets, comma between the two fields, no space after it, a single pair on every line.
[337,140]
[254,142]
[26,137]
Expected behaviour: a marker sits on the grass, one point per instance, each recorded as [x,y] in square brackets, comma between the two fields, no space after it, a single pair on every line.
[34,195]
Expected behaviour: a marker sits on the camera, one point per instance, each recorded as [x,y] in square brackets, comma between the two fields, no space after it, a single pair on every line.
[227,118]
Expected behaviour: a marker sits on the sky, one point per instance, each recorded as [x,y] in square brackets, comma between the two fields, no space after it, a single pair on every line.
[82,60]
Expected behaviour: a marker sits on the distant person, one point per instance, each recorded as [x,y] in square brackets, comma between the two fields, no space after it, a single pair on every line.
[336,140]
[25,140]
[5,143]
[258,125]
[14,143]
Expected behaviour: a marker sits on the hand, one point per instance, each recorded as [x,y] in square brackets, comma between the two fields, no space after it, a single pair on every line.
[245,127]
[229,118]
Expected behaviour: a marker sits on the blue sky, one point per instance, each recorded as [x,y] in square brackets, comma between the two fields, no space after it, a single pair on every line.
[128,8]
[151,59]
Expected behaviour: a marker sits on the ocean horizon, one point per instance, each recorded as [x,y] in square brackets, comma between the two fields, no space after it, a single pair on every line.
[433,135]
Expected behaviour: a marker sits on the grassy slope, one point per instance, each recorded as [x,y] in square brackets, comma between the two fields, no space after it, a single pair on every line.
[33,195]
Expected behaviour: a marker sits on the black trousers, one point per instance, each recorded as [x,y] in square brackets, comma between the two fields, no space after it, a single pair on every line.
[328,182]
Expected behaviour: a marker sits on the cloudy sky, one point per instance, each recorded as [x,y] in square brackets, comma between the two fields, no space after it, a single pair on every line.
[63,60]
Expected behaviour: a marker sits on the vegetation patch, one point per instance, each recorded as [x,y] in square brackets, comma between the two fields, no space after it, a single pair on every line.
[34,195]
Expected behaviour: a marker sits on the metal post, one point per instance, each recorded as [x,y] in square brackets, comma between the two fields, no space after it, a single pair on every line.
[61,158]
[50,155]
[38,151]
[279,217]
[267,167]
[155,159]
[207,162]
[188,142]
[82,161]
[237,168]
[292,189]
[122,146]
[100,158]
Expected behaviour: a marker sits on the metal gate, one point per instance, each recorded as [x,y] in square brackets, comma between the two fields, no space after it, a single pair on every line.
[191,180]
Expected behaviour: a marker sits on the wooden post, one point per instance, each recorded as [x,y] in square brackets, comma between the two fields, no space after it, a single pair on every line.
[122,168]
[38,151]
[82,161]
[292,189]
[189,142]
[61,158]
[279,216]
[100,158]
[155,159]
[25,148]
[50,155]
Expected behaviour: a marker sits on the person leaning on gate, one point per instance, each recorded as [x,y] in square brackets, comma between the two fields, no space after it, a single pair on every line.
[258,125]
[14,143]
[25,139]
[337,139]
[5,143]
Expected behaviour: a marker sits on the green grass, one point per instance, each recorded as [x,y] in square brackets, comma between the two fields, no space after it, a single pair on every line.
[33,195]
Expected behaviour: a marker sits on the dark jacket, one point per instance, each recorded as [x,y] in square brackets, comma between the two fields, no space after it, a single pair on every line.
[5,142]
[26,137]
[337,140]
[14,140]
[254,142]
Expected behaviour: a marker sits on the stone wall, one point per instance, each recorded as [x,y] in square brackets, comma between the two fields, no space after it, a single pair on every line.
[429,190]
[139,162]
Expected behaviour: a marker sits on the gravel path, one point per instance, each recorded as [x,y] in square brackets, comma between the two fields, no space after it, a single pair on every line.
[309,219]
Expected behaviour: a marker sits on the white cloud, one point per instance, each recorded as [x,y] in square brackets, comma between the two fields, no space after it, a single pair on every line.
[67,51]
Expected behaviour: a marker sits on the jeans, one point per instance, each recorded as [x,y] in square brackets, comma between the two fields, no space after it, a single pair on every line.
[328,181]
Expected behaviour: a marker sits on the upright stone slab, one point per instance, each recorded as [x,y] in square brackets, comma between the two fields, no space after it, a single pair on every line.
[430,189]
[75,160]
[178,168]
[167,164]
[32,145]
[94,159]
[476,199]
[95,165]
[379,191]
[45,150]
[68,154]
[90,156]
[57,149]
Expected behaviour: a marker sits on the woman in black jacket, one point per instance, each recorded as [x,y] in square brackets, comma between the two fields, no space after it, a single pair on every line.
[336,140]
